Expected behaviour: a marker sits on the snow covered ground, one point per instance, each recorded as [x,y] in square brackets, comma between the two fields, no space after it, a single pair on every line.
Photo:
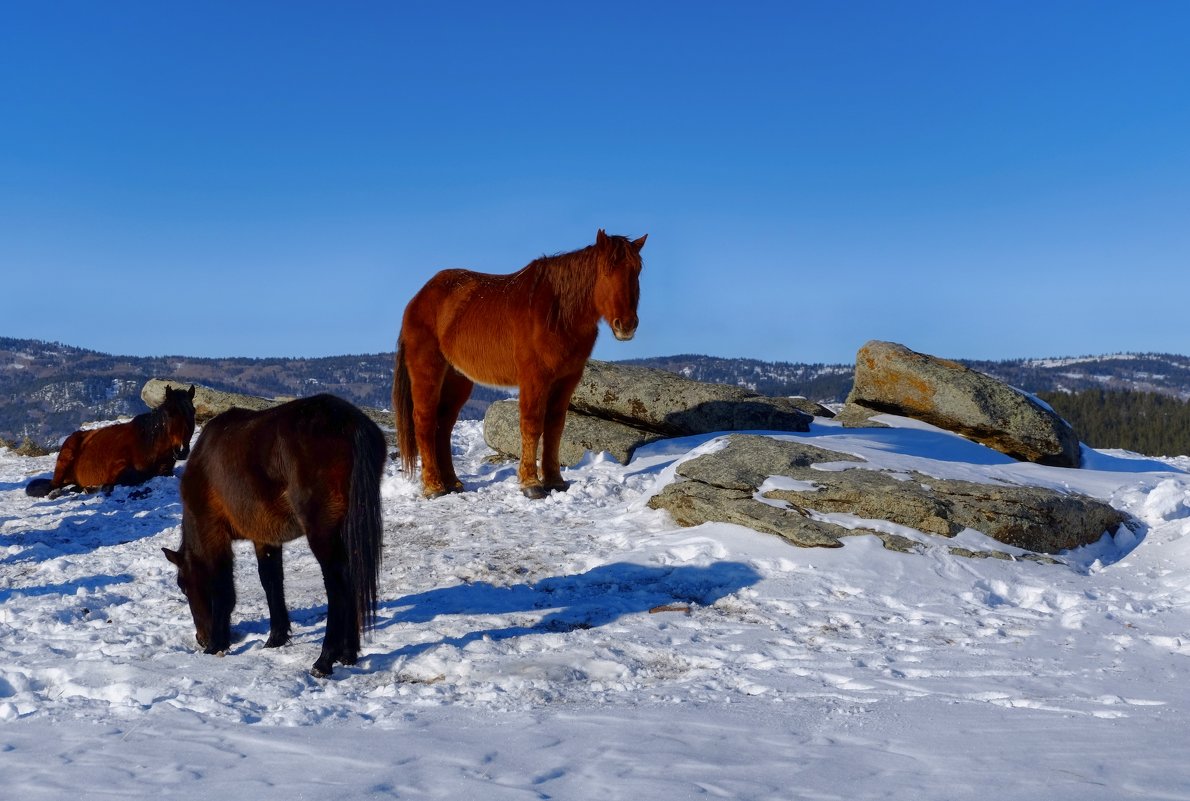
[585,647]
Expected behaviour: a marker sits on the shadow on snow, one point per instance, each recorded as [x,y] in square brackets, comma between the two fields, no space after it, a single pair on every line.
[566,603]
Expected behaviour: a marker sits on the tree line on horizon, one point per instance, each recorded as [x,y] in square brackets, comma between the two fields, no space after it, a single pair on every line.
[1150,423]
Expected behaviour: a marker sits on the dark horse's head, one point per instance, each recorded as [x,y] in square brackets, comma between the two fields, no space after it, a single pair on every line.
[177,420]
[617,288]
[195,585]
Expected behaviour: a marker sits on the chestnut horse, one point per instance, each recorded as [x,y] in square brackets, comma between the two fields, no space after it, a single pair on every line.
[309,467]
[533,329]
[125,453]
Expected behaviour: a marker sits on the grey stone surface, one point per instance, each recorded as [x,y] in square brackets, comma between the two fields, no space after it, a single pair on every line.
[617,408]
[502,432]
[666,403]
[723,486]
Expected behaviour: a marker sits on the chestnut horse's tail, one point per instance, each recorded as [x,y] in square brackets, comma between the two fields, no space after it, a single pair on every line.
[403,411]
[363,527]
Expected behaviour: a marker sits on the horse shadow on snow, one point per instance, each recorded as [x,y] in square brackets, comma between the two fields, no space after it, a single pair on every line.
[588,600]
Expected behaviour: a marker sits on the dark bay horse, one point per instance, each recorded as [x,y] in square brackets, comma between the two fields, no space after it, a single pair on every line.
[310,467]
[533,329]
[125,453]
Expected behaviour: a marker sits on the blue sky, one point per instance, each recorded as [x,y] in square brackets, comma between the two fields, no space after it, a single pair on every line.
[973,180]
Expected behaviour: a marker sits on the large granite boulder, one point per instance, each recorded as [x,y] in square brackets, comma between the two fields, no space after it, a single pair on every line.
[617,408]
[728,486]
[892,379]
[208,402]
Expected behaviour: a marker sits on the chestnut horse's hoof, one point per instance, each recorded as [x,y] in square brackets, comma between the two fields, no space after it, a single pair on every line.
[535,492]
[438,492]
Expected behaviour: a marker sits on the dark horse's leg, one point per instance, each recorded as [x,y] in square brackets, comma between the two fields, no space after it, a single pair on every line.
[223,600]
[341,643]
[456,389]
[272,578]
[551,435]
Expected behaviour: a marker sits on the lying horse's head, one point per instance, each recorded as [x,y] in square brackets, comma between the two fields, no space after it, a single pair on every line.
[178,412]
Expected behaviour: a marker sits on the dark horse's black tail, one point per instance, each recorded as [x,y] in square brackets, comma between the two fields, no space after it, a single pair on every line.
[363,527]
[39,487]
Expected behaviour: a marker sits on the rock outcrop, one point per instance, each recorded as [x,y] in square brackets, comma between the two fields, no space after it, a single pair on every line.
[729,486]
[892,379]
[617,408]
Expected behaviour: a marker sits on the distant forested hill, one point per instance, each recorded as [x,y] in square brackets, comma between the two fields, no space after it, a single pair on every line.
[1144,422]
[47,389]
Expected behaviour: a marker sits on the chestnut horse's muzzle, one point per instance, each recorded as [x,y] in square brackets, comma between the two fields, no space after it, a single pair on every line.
[624,329]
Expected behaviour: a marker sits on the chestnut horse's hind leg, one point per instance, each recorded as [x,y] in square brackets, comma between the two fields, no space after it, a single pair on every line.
[272,578]
[427,372]
[456,389]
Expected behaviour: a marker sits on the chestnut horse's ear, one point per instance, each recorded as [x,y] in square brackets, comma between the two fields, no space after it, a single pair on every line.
[640,243]
[601,238]
[173,556]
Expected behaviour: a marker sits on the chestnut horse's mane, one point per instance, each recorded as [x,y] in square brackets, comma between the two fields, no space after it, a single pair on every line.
[571,279]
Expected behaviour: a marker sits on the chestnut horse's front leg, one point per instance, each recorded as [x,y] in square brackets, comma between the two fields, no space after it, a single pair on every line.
[551,437]
[532,406]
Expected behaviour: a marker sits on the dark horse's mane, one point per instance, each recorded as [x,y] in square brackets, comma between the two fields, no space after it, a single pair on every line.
[571,279]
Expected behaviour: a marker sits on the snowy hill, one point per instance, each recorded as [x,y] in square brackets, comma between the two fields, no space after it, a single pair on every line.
[585,647]
[47,389]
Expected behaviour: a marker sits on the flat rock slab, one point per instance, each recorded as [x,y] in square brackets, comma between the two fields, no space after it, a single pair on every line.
[724,486]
